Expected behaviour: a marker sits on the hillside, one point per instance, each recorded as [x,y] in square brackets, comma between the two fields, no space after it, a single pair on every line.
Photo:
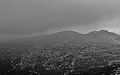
[62,53]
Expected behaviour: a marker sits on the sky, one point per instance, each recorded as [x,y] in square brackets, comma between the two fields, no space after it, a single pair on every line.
[33,17]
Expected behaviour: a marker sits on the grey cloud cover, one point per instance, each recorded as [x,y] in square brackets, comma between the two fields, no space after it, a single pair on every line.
[34,16]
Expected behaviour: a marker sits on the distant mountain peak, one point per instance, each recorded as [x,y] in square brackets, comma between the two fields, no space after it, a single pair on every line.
[101,31]
[68,33]
[104,31]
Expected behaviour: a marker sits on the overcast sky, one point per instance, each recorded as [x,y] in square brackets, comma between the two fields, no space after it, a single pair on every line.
[21,17]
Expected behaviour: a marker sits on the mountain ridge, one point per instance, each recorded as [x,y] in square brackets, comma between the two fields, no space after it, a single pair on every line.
[59,37]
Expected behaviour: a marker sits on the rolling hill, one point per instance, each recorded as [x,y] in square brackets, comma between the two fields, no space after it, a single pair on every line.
[95,36]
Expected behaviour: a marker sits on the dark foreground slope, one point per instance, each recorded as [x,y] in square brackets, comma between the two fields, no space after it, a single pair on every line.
[63,53]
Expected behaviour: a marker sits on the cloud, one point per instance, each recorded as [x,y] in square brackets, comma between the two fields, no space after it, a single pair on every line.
[34,16]
[112,25]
